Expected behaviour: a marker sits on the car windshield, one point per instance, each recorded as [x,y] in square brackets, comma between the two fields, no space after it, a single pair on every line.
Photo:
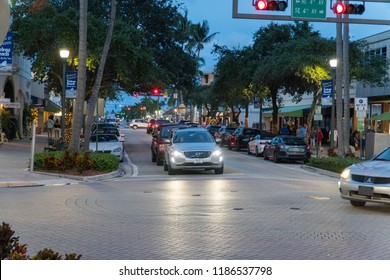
[385,155]
[104,138]
[192,137]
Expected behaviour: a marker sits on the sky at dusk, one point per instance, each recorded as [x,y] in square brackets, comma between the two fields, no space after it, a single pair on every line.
[237,33]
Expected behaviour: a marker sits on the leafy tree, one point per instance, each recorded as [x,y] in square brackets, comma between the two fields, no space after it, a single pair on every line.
[146,50]
[284,54]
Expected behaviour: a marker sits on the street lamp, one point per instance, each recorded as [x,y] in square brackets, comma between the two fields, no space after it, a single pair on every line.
[333,64]
[64,54]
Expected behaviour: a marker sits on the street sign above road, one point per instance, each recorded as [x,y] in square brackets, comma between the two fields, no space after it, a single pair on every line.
[308,9]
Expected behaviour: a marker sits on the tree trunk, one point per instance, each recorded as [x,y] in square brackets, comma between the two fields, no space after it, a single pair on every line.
[275,113]
[99,77]
[81,78]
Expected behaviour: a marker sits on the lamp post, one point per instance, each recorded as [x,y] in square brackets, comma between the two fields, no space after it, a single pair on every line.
[333,64]
[64,54]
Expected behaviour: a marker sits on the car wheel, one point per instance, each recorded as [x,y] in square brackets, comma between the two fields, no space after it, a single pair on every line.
[257,152]
[219,170]
[153,156]
[165,166]
[357,203]
[135,127]
[276,158]
[171,171]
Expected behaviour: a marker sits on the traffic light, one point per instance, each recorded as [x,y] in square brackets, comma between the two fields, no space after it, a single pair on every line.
[270,5]
[351,9]
[155,91]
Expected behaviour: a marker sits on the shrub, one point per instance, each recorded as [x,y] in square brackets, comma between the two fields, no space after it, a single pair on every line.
[11,249]
[334,164]
[79,162]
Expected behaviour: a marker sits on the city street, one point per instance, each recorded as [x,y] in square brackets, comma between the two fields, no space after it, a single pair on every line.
[255,210]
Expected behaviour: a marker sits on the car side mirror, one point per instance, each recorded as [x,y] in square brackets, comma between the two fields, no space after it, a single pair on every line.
[218,141]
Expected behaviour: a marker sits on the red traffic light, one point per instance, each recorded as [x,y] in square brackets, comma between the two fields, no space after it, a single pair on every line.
[356,9]
[339,8]
[261,5]
[270,5]
[155,91]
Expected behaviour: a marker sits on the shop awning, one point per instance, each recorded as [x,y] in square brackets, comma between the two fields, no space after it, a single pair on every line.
[52,107]
[383,117]
[288,111]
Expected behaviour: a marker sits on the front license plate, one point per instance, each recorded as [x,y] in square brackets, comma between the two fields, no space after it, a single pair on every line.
[363,190]
[198,161]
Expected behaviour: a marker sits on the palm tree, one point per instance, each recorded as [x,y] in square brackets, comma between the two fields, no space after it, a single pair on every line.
[199,37]
[99,76]
[81,78]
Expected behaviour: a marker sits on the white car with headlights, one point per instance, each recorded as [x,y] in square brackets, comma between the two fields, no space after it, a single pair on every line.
[368,181]
[107,143]
[193,149]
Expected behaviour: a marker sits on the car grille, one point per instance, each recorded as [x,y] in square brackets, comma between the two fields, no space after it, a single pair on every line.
[370,179]
[197,154]
[107,151]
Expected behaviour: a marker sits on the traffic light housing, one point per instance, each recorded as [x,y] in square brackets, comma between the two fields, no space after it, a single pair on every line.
[351,9]
[270,5]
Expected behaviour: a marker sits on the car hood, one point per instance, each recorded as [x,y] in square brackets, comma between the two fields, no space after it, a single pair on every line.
[199,146]
[376,168]
[104,146]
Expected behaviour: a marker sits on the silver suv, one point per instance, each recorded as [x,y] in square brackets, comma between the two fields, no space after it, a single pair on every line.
[138,123]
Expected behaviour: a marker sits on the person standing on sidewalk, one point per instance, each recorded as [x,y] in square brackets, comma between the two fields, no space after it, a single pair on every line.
[50,126]
[57,129]
[320,136]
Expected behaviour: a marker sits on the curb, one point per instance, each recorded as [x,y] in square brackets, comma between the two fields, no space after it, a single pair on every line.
[321,171]
[50,183]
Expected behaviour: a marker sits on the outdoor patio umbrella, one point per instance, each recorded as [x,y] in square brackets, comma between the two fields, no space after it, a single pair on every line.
[383,117]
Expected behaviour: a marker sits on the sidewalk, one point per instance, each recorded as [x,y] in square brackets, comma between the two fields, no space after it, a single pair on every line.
[15,167]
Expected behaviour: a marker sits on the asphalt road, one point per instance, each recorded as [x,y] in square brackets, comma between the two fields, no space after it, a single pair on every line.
[255,210]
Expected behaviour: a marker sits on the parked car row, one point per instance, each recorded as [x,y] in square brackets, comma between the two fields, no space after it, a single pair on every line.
[107,138]
[264,143]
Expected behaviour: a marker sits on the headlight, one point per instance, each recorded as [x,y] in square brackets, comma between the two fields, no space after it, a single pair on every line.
[177,154]
[117,150]
[217,153]
[345,174]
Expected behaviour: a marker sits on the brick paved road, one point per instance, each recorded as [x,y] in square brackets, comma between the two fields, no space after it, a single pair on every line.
[194,217]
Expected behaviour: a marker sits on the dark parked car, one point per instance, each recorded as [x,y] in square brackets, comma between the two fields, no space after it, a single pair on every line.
[213,128]
[161,137]
[286,147]
[154,123]
[224,133]
[241,136]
